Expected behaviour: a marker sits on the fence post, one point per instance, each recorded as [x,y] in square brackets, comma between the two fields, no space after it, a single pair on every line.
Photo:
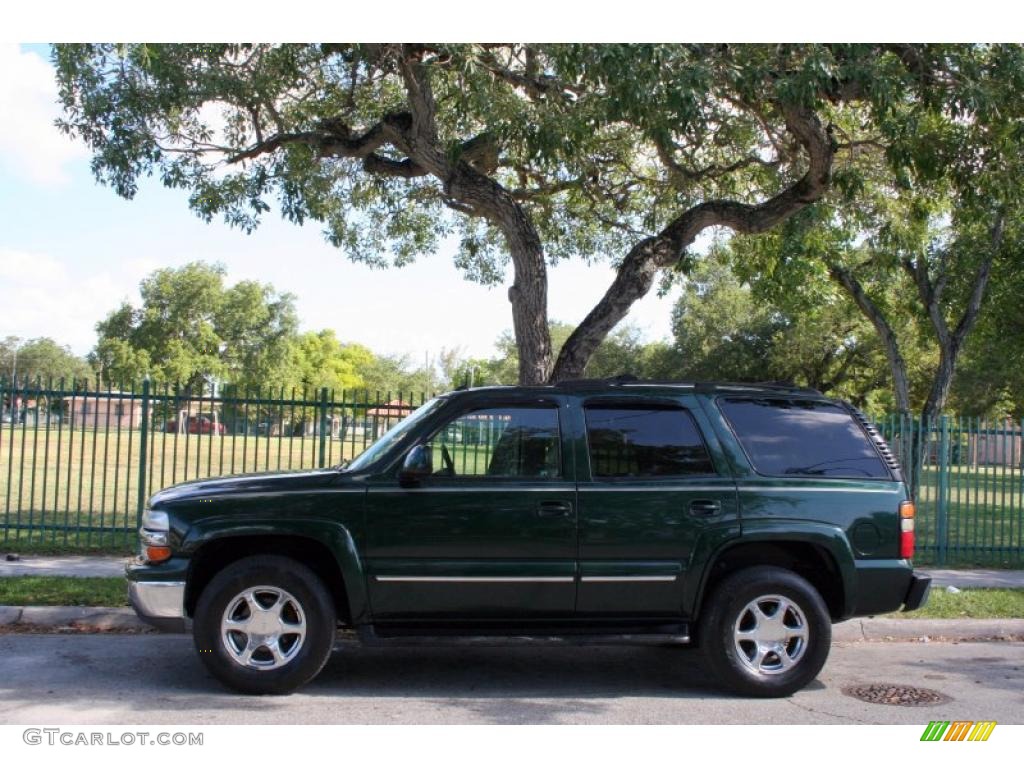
[323,427]
[942,491]
[143,451]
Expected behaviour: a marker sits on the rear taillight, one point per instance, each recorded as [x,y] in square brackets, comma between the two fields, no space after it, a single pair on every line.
[907,529]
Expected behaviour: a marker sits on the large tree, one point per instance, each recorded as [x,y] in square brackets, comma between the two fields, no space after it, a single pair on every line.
[528,154]
[191,328]
[42,359]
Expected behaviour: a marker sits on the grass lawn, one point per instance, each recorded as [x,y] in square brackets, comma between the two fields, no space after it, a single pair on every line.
[63,590]
[970,604]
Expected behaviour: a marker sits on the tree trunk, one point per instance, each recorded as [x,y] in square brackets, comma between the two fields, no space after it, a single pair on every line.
[632,282]
[529,297]
[941,384]
[479,195]
[473,192]
[897,365]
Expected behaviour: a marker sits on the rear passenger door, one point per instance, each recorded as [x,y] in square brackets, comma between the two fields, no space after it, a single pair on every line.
[652,495]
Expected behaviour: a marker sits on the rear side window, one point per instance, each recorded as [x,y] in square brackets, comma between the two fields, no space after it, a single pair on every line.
[644,442]
[802,437]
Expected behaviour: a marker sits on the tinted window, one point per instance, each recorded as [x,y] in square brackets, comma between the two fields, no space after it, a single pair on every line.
[644,442]
[801,437]
[499,442]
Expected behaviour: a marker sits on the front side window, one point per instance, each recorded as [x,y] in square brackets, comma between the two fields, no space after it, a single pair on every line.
[630,442]
[393,435]
[802,437]
[499,442]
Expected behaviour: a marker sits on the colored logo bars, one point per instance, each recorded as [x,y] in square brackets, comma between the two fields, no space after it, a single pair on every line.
[958,730]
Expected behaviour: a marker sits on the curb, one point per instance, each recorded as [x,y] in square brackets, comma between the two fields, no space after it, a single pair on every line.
[925,630]
[856,630]
[70,617]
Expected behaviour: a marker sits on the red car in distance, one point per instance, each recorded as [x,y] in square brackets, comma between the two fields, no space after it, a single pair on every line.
[196,425]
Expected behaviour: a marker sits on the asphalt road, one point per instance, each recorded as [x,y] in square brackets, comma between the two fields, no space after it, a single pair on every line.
[157,679]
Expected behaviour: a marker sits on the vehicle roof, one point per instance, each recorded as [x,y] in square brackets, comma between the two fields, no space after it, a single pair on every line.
[632,384]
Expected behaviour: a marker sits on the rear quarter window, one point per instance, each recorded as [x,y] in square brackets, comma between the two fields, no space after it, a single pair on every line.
[808,438]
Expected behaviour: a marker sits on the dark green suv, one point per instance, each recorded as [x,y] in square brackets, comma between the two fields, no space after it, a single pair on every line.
[739,518]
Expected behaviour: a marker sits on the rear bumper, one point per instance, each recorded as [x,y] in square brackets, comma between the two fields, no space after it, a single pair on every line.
[886,586]
[917,593]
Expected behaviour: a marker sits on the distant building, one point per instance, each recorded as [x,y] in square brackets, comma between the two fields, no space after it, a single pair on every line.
[108,410]
[381,418]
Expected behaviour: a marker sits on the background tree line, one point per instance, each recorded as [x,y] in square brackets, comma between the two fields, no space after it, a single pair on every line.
[730,322]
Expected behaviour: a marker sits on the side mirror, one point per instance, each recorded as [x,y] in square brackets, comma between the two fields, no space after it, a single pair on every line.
[418,464]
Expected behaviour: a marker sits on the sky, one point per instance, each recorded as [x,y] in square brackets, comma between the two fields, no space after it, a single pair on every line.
[71,251]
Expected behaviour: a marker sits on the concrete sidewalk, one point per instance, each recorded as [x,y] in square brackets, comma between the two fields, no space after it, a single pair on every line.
[976,578]
[91,565]
[64,565]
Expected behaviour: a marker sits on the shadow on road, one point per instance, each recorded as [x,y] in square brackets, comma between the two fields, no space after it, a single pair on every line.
[496,684]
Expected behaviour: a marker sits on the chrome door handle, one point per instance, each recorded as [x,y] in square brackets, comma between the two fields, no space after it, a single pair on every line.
[554,509]
[705,507]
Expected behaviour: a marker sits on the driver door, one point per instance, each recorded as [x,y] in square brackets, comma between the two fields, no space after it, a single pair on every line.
[490,534]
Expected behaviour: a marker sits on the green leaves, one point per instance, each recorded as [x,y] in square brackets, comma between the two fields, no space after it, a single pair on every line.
[600,146]
[190,329]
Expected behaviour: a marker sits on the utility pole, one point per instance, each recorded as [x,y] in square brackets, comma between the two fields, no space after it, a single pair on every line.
[15,346]
[14,381]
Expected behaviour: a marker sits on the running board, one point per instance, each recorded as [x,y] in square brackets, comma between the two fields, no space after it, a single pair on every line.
[409,636]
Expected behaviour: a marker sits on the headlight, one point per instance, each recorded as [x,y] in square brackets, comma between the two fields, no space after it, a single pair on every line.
[155,521]
[155,536]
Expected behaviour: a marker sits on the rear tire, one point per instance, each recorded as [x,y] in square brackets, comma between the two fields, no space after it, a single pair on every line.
[766,632]
[265,625]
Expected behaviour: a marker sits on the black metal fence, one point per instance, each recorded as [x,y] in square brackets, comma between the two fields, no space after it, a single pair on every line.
[77,462]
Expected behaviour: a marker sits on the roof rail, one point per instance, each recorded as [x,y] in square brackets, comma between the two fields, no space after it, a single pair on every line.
[627,379]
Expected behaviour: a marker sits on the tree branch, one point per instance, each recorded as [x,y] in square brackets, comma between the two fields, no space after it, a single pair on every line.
[333,140]
[981,279]
[536,85]
[678,171]
[639,268]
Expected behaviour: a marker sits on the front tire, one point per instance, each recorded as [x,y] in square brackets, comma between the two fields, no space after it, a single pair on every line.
[265,625]
[767,632]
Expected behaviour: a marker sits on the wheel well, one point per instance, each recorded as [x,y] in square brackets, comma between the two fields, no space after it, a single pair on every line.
[213,557]
[810,561]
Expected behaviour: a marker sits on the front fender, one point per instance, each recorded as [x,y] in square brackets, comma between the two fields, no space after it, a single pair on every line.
[831,538]
[336,537]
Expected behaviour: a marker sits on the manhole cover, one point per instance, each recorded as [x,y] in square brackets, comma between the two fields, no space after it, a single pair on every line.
[898,695]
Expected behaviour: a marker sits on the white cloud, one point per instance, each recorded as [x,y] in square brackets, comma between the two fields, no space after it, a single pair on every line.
[43,297]
[31,147]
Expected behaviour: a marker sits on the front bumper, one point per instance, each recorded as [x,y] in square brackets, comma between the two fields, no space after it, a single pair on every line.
[157,593]
[917,593]
[160,604]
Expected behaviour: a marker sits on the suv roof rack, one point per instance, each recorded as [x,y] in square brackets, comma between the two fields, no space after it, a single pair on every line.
[703,386]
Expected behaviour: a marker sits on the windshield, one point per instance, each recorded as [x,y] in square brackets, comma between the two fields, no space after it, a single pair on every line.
[393,435]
